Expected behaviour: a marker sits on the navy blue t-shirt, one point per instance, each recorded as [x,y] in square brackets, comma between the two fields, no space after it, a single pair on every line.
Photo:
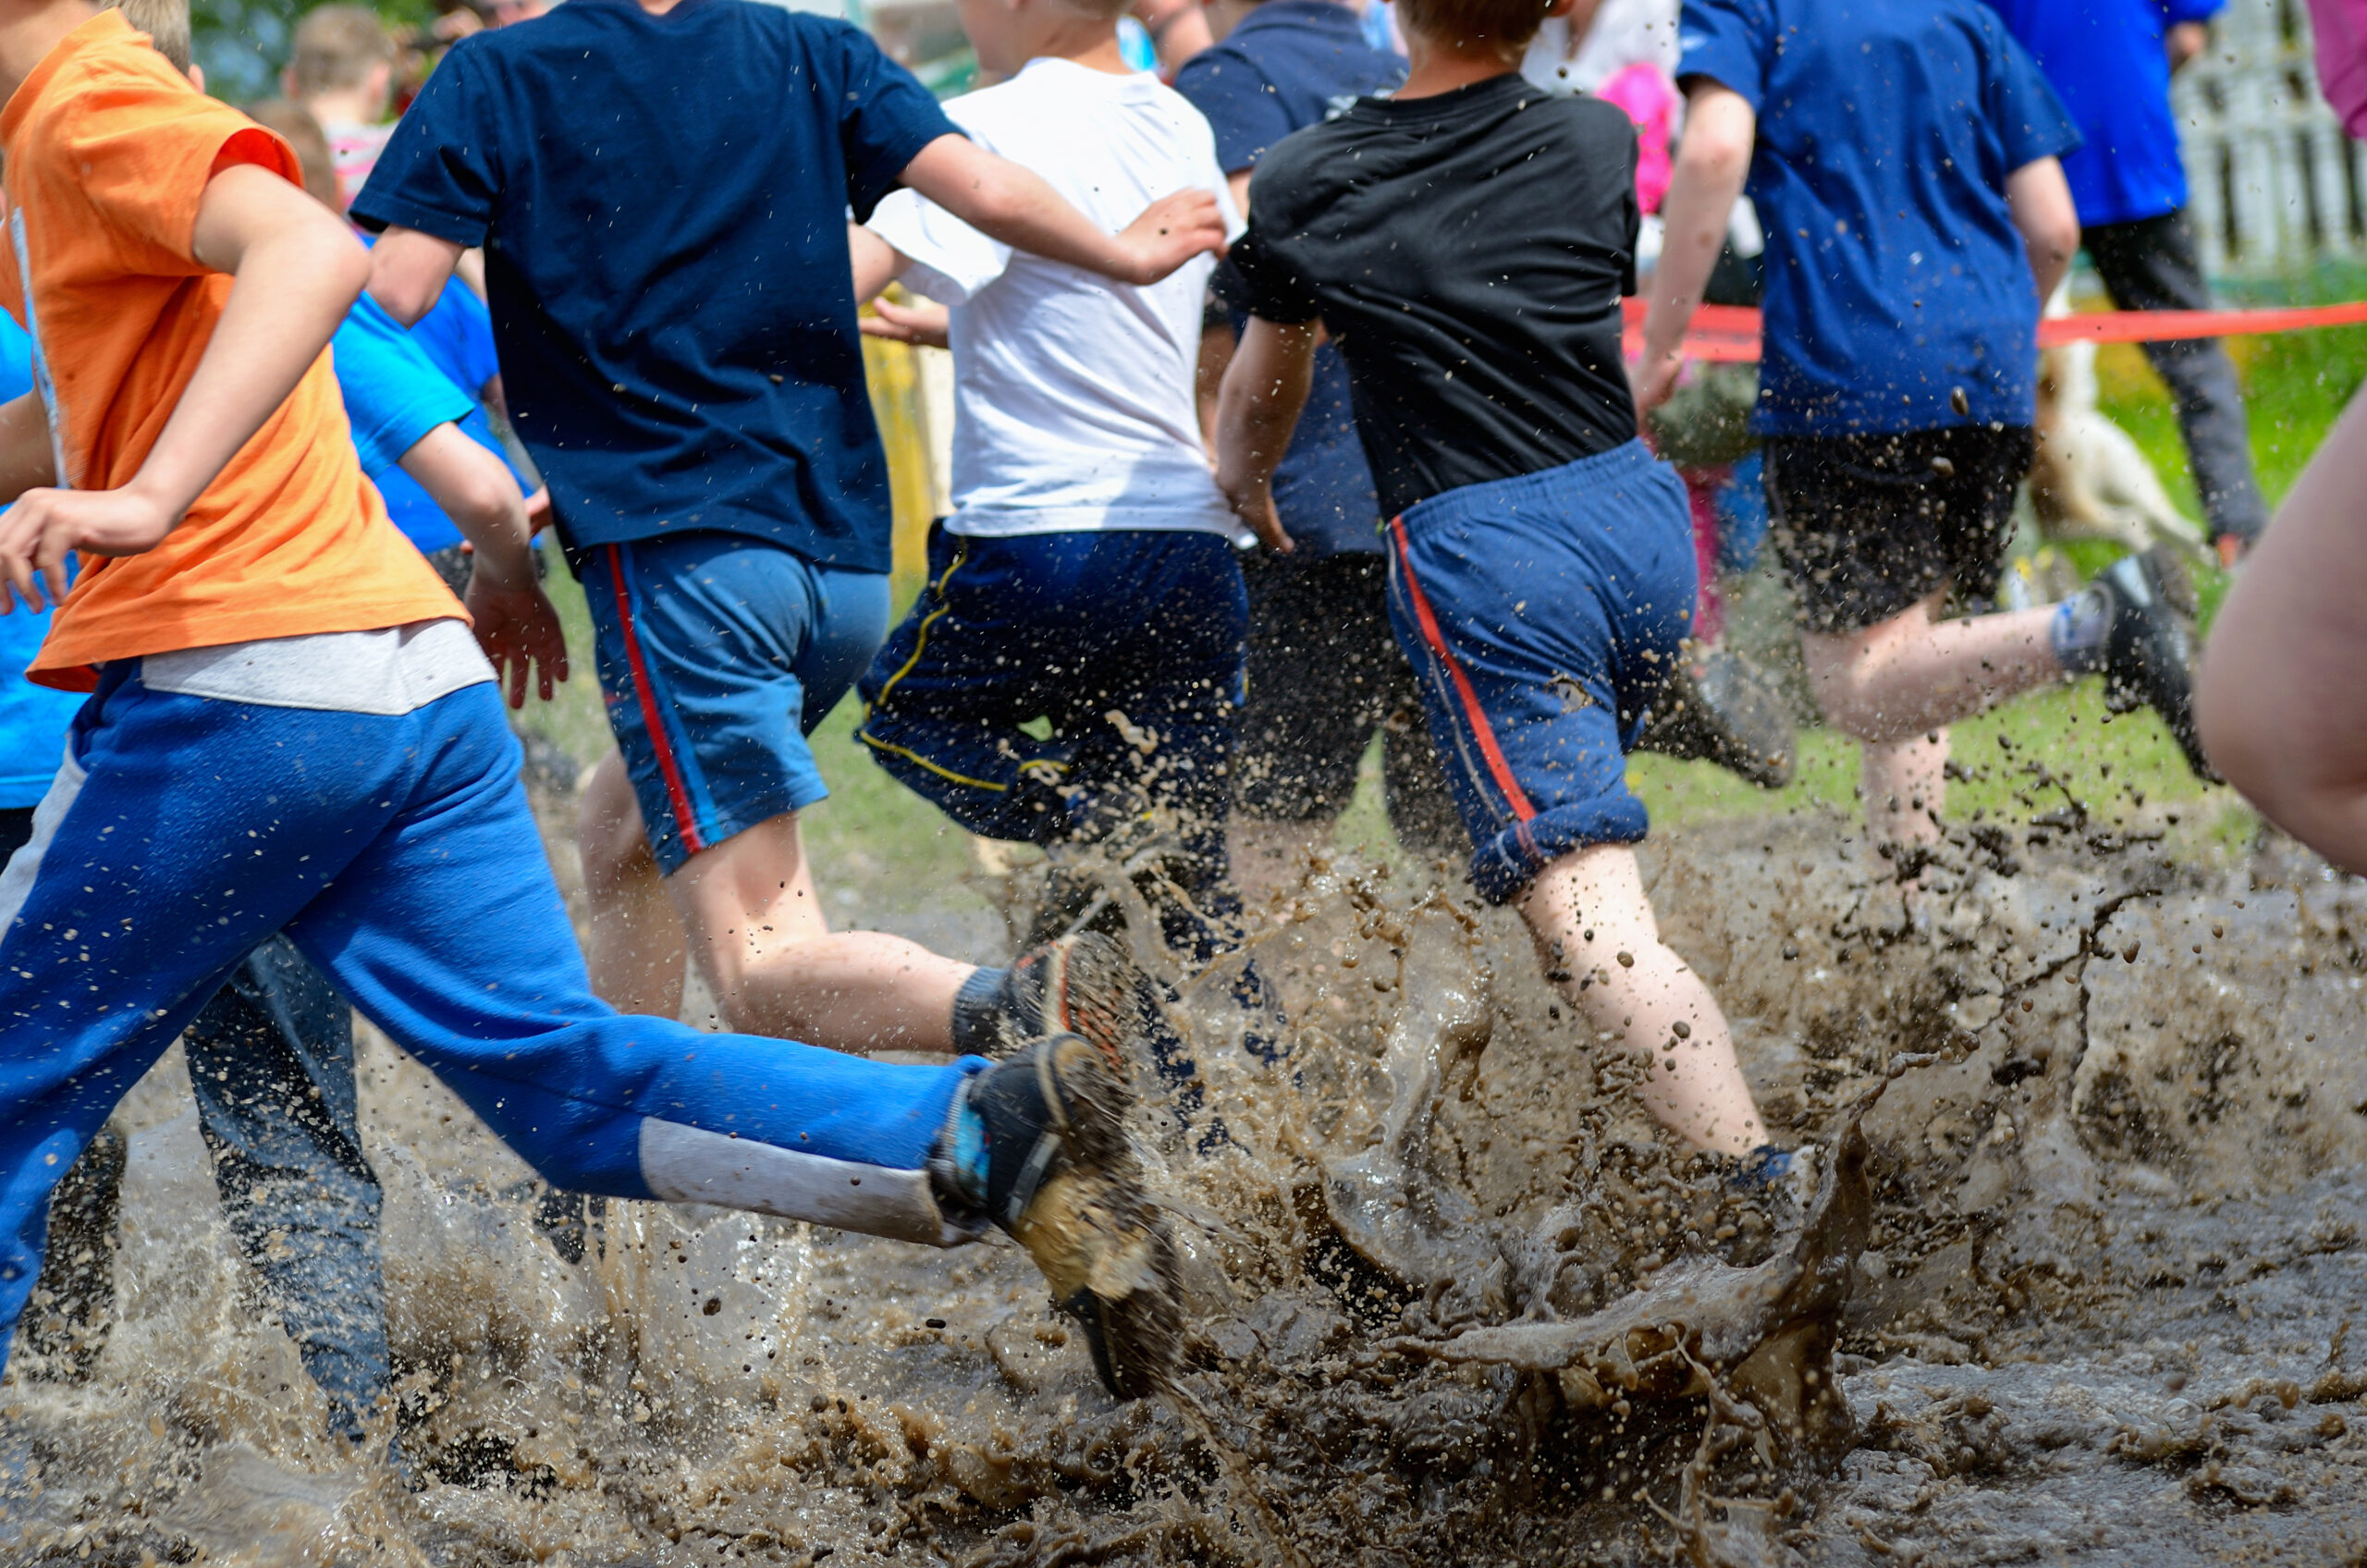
[1290,64]
[663,203]
[2108,60]
[1896,277]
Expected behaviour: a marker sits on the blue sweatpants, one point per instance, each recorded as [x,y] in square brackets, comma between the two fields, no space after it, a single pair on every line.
[1128,643]
[1543,613]
[398,853]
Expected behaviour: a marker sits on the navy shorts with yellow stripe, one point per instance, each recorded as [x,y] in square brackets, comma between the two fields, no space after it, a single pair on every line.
[717,655]
[1542,614]
[1045,678]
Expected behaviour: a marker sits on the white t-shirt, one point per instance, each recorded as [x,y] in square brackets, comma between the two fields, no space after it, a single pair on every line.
[1626,32]
[1073,398]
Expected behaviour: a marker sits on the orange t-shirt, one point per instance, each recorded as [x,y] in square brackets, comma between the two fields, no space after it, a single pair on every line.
[109,150]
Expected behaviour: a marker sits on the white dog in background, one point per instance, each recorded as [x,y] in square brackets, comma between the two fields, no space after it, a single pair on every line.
[2088,480]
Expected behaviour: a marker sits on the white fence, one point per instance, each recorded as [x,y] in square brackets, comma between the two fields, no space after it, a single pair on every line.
[2275,185]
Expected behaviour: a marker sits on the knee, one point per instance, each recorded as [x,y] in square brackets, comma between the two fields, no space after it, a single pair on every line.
[608,831]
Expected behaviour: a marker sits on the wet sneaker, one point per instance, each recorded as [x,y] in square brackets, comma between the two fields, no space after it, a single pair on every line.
[1086,983]
[1718,707]
[2147,654]
[1060,1176]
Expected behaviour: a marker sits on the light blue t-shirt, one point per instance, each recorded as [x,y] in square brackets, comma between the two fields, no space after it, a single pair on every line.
[457,337]
[32,718]
[394,396]
[1895,278]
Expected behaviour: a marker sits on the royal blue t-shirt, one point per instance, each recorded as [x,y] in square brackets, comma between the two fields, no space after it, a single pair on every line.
[394,396]
[2108,62]
[1289,64]
[663,200]
[1896,277]
[32,718]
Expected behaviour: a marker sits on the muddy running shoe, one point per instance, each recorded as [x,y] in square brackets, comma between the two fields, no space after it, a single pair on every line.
[1051,1166]
[1086,985]
[1718,707]
[2148,655]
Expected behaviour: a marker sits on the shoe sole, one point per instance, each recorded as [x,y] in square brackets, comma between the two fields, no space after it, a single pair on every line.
[1090,989]
[1094,1231]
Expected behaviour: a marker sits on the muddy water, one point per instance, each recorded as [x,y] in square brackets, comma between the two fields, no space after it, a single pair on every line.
[2077,1285]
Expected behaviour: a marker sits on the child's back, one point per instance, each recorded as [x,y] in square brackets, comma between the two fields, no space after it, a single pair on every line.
[1074,397]
[1473,278]
[669,269]
[1899,294]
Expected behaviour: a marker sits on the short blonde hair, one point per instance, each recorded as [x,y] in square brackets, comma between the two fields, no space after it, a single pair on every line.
[336,47]
[164,21]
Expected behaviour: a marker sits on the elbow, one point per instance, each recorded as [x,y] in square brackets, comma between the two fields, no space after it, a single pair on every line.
[403,298]
[345,269]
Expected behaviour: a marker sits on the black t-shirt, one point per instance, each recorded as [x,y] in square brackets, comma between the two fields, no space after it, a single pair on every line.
[1468,252]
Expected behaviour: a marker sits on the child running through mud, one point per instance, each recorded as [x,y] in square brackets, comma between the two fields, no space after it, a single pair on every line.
[1467,241]
[1087,574]
[1903,157]
[291,727]
[688,377]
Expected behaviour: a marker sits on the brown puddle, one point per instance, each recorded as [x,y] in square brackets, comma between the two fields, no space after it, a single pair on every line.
[2074,1287]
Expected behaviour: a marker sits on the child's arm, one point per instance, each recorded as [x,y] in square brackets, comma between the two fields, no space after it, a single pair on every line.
[1712,163]
[878,265]
[515,624]
[407,272]
[2040,199]
[295,269]
[1005,202]
[26,460]
[1264,389]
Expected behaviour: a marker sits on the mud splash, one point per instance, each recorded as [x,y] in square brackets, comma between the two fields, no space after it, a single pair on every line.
[2080,1280]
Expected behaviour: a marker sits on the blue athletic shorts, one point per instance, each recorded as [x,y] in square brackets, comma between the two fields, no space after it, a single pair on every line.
[717,655]
[1542,614]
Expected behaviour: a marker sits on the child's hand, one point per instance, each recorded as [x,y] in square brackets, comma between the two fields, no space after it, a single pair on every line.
[1172,231]
[926,326]
[1255,506]
[45,526]
[517,627]
[1653,378]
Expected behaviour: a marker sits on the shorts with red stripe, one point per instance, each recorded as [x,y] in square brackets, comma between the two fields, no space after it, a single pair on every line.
[717,655]
[1542,614]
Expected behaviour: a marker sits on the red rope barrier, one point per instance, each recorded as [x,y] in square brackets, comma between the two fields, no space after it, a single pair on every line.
[1729,334]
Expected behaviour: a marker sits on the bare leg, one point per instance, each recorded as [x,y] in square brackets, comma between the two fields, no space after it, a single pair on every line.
[1904,785]
[1589,918]
[636,953]
[759,939]
[2281,706]
[1896,685]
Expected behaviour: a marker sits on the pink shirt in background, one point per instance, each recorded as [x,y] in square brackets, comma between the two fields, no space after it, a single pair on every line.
[1650,99]
[354,148]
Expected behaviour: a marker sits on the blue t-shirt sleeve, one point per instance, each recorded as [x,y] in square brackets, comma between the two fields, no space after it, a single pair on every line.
[886,117]
[1238,103]
[393,395]
[439,173]
[1731,42]
[16,361]
[2030,120]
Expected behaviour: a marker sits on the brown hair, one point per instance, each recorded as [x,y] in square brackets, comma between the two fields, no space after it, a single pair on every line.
[302,131]
[164,21]
[1506,24]
[336,47]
